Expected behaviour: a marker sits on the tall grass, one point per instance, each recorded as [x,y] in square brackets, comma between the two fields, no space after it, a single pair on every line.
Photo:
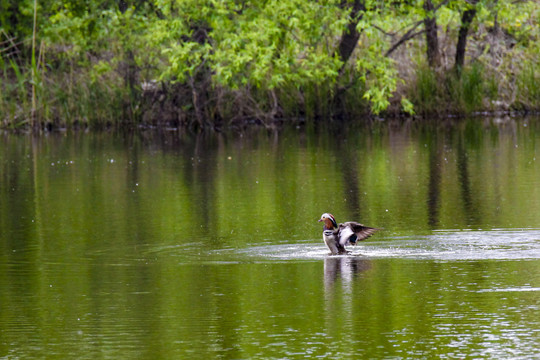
[80,99]
[14,98]
[470,90]
[528,87]
[427,95]
[472,86]
[34,68]
[70,97]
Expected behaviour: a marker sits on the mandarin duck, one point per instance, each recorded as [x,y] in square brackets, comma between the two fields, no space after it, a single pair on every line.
[337,236]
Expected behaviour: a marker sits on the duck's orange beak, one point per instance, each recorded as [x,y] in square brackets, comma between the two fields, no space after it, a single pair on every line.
[320,220]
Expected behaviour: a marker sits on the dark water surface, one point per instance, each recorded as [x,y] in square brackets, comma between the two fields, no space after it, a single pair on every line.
[164,246]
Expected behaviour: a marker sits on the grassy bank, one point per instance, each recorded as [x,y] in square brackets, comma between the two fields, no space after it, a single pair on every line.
[206,65]
[73,97]
[68,98]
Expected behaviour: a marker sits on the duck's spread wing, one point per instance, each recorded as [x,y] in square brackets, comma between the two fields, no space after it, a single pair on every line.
[351,232]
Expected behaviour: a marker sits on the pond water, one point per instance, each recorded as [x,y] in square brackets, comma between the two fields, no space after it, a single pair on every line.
[166,246]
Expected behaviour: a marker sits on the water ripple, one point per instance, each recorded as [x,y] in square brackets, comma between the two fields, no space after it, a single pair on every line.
[440,245]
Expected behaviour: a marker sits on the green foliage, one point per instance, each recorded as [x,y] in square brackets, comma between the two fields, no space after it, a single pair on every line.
[93,56]
[407,106]
[282,46]
[260,59]
[16,18]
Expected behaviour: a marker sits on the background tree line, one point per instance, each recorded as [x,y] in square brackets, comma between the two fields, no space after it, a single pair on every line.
[210,63]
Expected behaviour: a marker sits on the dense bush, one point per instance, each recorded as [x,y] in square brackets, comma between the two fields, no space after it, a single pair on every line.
[208,63]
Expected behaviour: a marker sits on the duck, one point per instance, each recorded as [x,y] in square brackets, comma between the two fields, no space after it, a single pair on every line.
[336,237]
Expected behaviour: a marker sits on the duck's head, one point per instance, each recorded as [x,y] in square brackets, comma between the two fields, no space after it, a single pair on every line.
[329,221]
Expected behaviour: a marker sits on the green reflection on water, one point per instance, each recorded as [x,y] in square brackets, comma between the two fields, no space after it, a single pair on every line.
[116,245]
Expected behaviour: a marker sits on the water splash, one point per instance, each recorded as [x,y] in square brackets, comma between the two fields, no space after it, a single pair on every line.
[440,245]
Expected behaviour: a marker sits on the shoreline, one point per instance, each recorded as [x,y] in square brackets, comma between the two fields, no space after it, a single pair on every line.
[499,116]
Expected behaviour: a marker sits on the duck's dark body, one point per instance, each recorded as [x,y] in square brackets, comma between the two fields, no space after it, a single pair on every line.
[336,237]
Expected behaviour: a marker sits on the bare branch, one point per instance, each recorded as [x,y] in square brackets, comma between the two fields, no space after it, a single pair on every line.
[382,30]
[407,36]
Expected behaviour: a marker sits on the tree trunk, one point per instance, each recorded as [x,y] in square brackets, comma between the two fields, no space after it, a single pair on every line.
[350,36]
[466,20]
[432,39]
